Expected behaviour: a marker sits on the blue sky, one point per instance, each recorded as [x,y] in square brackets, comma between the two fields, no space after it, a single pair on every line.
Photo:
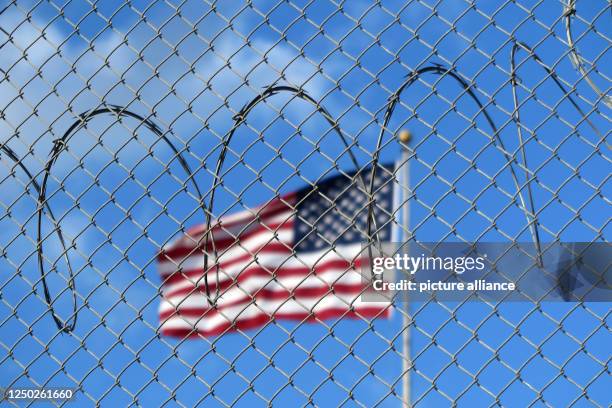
[351,57]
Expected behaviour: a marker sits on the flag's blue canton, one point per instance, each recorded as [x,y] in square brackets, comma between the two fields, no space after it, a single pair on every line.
[336,210]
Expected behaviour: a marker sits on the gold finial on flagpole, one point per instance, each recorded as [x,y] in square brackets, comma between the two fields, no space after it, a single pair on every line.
[405,136]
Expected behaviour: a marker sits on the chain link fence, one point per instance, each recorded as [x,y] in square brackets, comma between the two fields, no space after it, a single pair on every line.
[120,119]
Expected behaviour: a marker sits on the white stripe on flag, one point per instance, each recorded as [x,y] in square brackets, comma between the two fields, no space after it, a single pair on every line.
[324,280]
[272,261]
[210,322]
[248,246]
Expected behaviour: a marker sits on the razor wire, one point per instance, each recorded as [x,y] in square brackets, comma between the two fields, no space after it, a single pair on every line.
[363,102]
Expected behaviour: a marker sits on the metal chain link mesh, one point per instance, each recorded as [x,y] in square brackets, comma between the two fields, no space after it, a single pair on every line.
[123,122]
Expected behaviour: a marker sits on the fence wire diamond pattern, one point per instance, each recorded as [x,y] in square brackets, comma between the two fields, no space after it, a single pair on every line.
[124,123]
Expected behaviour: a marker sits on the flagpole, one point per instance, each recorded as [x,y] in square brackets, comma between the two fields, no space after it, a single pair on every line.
[404,138]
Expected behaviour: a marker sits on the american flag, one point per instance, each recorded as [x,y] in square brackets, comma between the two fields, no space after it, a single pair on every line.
[297,257]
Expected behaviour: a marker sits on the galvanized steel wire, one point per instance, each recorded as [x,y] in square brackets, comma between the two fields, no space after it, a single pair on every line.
[524,129]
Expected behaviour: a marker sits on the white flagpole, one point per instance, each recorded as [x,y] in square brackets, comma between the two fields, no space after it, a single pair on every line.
[404,138]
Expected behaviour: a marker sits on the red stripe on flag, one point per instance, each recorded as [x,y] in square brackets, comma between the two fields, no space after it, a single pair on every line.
[275,207]
[263,319]
[264,294]
[245,217]
[261,271]
[180,252]
[270,248]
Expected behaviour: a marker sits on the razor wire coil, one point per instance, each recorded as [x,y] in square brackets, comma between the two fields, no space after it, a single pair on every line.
[525,157]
